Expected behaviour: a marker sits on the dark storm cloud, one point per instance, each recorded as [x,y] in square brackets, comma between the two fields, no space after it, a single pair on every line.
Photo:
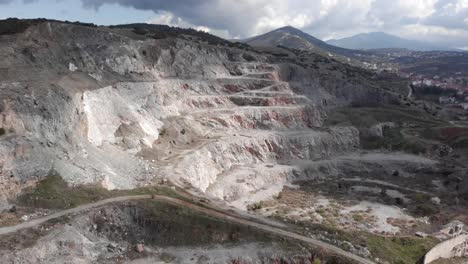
[215,14]
[323,18]
[432,19]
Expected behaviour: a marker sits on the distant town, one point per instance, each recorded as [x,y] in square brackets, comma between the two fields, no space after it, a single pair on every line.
[457,82]
[443,73]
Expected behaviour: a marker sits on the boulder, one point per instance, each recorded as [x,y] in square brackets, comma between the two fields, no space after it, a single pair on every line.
[140,248]
[435,200]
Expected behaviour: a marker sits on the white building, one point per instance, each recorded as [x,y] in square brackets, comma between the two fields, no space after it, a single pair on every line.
[427,82]
[447,100]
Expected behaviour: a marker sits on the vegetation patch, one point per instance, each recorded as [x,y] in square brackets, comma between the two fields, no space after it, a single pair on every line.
[53,193]
[27,238]
[203,228]
[164,31]
[394,139]
[432,93]
[456,137]
[399,250]
[14,25]
[395,250]
[365,117]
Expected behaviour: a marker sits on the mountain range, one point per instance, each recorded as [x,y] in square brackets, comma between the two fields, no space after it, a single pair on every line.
[352,47]
[381,40]
[294,38]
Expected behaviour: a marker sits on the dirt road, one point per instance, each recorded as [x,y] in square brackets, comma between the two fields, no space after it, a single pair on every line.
[264,227]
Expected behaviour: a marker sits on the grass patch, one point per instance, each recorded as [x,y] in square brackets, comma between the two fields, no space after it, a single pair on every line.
[53,193]
[358,218]
[399,250]
[205,229]
[395,250]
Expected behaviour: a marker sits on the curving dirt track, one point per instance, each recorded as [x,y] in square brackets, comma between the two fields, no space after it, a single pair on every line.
[264,227]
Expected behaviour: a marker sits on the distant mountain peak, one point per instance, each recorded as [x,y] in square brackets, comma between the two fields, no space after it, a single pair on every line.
[377,33]
[297,39]
[382,40]
[289,29]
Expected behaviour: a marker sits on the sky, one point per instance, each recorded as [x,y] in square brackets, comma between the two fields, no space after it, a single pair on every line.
[440,21]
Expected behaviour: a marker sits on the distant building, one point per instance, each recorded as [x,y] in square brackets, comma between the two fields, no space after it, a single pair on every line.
[453,228]
[427,82]
[447,100]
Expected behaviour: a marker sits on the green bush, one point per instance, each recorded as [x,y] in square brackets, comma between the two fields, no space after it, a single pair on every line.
[424,210]
[13,26]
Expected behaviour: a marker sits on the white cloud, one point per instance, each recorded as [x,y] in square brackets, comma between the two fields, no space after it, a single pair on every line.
[322,18]
[449,37]
[168,18]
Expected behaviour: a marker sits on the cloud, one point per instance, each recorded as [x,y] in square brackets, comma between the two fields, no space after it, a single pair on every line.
[435,20]
[168,18]
[243,17]
[235,16]
[11,1]
[450,14]
[438,20]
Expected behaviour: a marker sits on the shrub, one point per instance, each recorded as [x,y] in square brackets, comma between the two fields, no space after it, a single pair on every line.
[162,132]
[164,31]
[425,210]
[255,206]
[14,25]
[358,218]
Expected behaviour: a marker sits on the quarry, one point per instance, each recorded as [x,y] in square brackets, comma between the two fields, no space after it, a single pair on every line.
[309,148]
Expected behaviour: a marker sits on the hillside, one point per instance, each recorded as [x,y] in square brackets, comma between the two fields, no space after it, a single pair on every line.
[289,138]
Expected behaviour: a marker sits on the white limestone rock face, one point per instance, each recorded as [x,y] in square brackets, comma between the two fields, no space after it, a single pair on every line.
[202,167]
[128,112]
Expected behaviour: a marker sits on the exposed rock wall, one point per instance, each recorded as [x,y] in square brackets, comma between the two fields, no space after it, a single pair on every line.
[108,106]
